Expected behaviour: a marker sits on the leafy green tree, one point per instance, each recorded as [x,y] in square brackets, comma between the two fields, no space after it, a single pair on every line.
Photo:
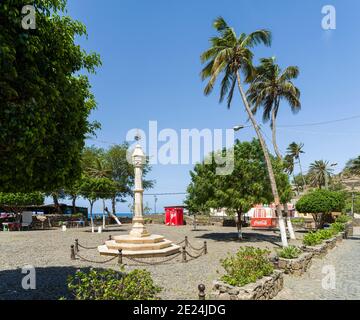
[122,172]
[320,203]
[73,192]
[15,202]
[94,189]
[45,98]
[270,86]
[248,184]
[230,55]
[113,164]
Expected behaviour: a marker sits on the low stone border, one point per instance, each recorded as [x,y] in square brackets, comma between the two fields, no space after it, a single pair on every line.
[349,229]
[265,288]
[296,266]
[321,250]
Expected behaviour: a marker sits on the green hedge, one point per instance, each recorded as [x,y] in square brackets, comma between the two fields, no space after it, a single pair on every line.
[113,285]
[247,265]
[317,237]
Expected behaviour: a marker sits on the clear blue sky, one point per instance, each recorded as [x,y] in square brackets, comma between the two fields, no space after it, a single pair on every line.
[150,52]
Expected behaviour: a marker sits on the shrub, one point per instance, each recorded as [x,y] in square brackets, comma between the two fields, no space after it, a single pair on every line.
[290,252]
[343,218]
[319,203]
[148,220]
[312,239]
[247,265]
[298,220]
[325,234]
[113,285]
[338,227]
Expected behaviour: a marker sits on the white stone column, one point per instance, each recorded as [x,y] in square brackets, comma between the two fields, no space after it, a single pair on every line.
[138,228]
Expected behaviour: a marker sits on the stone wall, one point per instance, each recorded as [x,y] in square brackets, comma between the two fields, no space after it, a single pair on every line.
[320,250]
[296,266]
[349,228]
[265,288]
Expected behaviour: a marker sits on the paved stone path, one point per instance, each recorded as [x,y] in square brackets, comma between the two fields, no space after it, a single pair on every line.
[341,264]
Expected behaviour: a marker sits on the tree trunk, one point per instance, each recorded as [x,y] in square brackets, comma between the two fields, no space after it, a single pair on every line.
[301,172]
[297,186]
[273,130]
[268,163]
[113,204]
[288,222]
[91,217]
[239,225]
[56,203]
[113,216]
[103,213]
[74,204]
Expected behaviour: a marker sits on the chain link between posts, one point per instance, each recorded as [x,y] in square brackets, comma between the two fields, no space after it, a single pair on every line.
[184,253]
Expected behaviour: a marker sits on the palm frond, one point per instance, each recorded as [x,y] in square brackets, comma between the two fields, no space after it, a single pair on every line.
[260,36]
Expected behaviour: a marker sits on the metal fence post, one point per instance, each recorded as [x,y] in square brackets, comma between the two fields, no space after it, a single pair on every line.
[72,254]
[186,241]
[205,247]
[183,254]
[120,260]
[76,245]
[110,237]
[201,289]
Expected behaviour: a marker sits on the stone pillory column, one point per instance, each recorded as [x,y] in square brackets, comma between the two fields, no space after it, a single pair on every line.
[138,160]
[139,243]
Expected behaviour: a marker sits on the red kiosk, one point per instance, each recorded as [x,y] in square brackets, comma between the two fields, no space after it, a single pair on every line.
[263,217]
[174,215]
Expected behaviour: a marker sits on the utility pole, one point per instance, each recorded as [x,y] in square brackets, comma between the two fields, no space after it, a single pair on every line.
[352,204]
[155,200]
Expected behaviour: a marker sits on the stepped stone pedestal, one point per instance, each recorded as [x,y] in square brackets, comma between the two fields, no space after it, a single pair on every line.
[139,243]
[146,247]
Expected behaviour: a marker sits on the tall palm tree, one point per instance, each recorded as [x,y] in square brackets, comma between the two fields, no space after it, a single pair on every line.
[289,167]
[231,56]
[295,150]
[319,173]
[270,86]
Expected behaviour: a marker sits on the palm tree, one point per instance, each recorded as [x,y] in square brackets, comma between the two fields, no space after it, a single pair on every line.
[319,173]
[294,150]
[289,166]
[270,86]
[231,56]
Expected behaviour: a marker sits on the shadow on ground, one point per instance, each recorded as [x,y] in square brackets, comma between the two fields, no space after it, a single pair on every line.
[108,230]
[247,237]
[50,284]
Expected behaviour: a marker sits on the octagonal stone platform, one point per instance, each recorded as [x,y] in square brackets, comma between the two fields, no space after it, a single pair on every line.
[144,247]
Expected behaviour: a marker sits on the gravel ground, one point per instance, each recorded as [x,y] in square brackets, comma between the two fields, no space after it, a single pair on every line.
[49,252]
[343,261]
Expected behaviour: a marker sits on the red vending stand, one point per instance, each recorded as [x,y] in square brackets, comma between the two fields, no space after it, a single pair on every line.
[174,216]
[263,217]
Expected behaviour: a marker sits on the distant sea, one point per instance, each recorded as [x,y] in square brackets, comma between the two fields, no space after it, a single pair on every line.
[118,214]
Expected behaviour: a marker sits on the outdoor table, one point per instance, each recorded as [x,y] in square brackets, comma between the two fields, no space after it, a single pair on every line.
[78,223]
